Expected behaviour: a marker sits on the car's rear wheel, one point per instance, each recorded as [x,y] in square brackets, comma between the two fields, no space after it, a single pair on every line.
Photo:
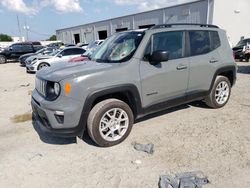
[42,65]
[2,59]
[220,93]
[247,58]
[110,122]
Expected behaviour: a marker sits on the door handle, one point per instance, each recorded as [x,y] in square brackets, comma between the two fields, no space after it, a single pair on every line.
[181,67]
[213,61]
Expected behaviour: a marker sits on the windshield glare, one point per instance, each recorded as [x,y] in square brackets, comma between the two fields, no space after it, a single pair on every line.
[40,51]
[118,48]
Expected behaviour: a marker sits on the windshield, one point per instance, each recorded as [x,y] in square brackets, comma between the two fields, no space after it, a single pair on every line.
[40,51]
[55,52]
[118,48]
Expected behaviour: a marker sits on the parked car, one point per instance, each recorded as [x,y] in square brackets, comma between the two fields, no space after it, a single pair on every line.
[135,73]
[55,44]
[15,50]
[94,44]
[43,51]
[86,54]
[238,50]
[82,45]
[37,45]
[46,61]
[33,58]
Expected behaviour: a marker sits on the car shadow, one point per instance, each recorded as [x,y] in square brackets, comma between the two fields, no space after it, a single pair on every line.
[49,139]
[197,104]
[244,69]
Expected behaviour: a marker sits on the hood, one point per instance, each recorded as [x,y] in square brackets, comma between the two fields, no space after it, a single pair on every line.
[63,70]
[240,47]
[43,57]
[27,55]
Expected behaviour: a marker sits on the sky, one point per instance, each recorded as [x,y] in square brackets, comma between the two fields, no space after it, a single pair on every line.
[44,17]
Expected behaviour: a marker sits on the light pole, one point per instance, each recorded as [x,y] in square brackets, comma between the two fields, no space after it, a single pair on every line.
[26,28]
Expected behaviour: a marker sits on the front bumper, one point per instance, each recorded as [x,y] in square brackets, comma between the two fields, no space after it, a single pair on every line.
[31,68]
[45,115]
[22,62]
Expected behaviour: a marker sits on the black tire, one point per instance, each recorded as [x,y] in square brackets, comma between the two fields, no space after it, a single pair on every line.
[3,59]
[42,65]
[98,112]
[247,58]
[211,98]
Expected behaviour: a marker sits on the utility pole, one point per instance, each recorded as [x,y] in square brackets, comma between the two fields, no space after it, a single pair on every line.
[19,28]
[26,28]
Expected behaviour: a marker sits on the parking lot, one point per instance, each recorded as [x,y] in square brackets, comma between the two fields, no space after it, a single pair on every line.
[187,138]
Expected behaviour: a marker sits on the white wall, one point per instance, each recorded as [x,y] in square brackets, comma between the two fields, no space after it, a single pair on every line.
[236,23]
[193,12]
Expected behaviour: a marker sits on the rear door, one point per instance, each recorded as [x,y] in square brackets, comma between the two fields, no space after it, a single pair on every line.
[167,80]
[27,48]
[204,59]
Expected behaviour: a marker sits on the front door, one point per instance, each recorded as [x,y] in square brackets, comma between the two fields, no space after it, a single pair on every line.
[167,80]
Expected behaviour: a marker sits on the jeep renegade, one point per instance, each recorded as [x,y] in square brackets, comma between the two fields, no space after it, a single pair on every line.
[132,74]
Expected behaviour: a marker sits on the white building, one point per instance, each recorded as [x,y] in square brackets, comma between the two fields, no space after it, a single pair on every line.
[231,15]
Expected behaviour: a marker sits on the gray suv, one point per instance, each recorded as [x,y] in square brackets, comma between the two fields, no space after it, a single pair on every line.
[134,73]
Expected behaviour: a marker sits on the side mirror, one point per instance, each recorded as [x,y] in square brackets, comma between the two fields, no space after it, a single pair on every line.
[158,57]
[10,48]
[59,55]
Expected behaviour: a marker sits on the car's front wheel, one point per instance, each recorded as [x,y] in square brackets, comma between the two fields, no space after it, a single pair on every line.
[110,122]
[220,93]
[42,65]
[2,59]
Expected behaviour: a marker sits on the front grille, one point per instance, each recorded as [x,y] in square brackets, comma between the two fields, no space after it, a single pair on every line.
[41,86]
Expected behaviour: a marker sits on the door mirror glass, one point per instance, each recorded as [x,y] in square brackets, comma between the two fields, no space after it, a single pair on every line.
[158,57]
[59,55]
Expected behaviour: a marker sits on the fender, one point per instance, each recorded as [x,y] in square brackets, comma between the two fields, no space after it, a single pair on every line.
[129,89]
[221,70]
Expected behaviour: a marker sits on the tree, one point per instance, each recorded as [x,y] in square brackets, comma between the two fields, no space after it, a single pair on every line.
[5,38]
[52,38]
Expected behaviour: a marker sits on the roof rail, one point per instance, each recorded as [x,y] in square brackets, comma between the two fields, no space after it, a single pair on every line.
[180,24]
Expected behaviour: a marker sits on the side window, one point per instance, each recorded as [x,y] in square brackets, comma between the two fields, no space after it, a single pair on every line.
[66,52]
[169,41]
[215,39]
[72,51]
[199,42]
[27,48]
[78,51]
[16,48]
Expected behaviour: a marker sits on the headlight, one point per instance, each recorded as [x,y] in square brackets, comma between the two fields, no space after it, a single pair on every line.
[53,90]
[33,62]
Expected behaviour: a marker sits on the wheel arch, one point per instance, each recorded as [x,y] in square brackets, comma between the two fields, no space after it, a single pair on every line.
[127,93]
[228,71]
[43,62]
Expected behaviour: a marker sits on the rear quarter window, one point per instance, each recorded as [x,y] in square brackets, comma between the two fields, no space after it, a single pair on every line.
[215,40]
[202,42]
[199,42]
